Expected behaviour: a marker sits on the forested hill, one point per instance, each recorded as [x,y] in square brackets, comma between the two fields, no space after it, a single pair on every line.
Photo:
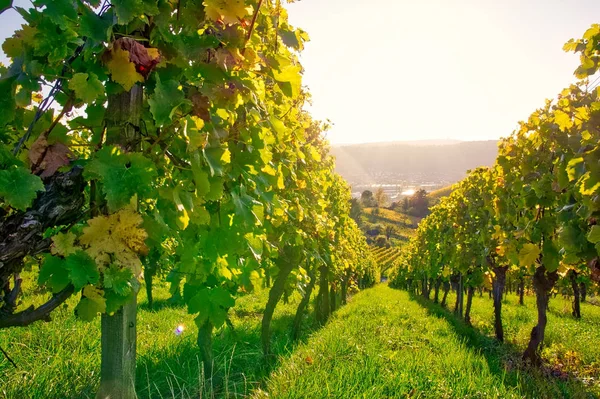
[429,160]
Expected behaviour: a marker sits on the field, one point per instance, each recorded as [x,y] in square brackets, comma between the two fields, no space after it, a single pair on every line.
[384,343]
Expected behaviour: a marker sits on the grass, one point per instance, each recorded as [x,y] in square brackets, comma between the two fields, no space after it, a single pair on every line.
[61,359]
[570,345]
[385,344]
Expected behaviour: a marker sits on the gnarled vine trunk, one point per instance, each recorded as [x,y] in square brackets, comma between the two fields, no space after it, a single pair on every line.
[470,293]
[445,296]
[497,291]
[576,305]
[322,308]
[275,293]
[296,327]
[204,341]
[543,283]
[521,290]
[436,295]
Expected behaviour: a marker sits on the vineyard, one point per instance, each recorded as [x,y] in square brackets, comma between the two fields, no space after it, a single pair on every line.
[172,225]
[385,257]
[155,142]
[530,219]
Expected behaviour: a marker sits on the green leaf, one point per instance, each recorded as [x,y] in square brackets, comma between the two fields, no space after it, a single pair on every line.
[594,234]
[118,279]
[165,100]
[5,5]
[82,270]
[222,298]
[93,25]
[123,175]
[58,11]
[217,158]
[114,301]
[575,167]
[91,304]
[19,187]
[54,273]
[212,305]
[255,243]
[127,10]
[7,101]
[87,87]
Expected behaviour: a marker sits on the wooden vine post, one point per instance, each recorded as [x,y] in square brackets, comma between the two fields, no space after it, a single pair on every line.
[117,372]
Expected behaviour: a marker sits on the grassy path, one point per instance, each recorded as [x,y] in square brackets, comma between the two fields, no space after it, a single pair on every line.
[386,345]
[383,344]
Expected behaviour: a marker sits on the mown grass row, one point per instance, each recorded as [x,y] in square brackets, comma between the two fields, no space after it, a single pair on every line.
[61,359]
[386,344]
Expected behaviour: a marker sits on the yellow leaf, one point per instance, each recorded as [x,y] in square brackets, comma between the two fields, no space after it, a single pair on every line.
[268,169]
[122,69]
[118,237]
[153,52]
[528,255]
[228,11]
[63,244]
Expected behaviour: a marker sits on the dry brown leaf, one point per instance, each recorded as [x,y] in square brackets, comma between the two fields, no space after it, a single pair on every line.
[145,59]
[201,104]
[48,158]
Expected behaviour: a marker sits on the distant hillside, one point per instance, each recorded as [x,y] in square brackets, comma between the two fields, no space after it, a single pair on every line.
[442,192]
[382,163]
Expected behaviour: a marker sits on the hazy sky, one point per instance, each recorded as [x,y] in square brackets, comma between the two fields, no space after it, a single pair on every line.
[387,70]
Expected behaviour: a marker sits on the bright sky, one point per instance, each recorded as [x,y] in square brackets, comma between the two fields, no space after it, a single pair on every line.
[390,70]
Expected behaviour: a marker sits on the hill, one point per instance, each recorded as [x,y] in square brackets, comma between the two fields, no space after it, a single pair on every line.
[412,162]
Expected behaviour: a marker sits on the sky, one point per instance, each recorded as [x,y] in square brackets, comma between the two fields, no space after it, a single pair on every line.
[397,70]
[394,70]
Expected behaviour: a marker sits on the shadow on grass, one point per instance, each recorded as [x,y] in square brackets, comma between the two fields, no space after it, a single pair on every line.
[504,359]
[239,365]
[160,304]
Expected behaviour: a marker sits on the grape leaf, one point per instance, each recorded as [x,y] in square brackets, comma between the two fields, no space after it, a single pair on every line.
[165,100]
[63,244]
[54,274]
[212,305]
[594,234]
[18,187]
[123,175]
[48,158]
[230,11]
[122,70]
[82,270]
[528,254]
[118,279]
[116,236]
[58,11]
[93,25]
[91,304]
[5,5]
[217,157]
[87,87]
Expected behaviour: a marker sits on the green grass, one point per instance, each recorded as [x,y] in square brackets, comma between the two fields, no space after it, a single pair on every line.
[385,344]
[61,359]
[570,345]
